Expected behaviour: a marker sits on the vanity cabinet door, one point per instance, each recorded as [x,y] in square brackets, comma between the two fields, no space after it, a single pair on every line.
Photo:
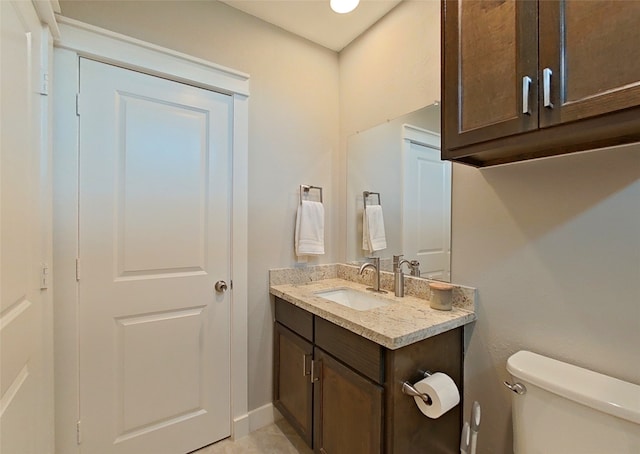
[348,409]
[293,390]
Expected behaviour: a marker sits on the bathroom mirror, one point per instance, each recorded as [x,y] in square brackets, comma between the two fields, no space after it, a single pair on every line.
[400,160]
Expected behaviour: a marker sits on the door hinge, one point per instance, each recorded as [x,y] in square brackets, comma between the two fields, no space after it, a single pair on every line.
[77,269]
[78,104]
[78,432]
[44,83]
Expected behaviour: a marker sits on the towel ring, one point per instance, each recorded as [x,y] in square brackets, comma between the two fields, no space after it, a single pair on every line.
[304,188]
[366,194]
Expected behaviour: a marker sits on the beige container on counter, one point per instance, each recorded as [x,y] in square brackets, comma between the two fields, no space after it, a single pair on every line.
[440,296]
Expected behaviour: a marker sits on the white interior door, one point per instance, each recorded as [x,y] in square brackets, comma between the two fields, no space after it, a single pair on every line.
[426,220]
[25,380]
[154,239]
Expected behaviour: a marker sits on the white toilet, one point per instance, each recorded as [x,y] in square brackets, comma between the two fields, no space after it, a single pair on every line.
[559,408]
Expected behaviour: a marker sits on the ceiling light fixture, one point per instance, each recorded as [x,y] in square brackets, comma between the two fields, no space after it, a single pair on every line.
[344,6]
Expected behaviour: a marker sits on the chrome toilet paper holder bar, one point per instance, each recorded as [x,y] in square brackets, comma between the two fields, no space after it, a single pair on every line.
[408,389]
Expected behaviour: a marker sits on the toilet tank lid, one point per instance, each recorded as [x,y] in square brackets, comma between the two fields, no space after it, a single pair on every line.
[601,392]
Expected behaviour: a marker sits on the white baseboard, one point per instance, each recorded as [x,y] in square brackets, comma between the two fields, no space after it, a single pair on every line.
[240,427]
[254,420]
[263,416]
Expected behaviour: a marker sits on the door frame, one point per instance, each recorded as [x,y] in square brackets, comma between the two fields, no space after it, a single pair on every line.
[78,39]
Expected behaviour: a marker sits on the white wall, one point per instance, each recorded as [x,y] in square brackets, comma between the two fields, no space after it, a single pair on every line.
[392,69]
[553,247]
[293,130]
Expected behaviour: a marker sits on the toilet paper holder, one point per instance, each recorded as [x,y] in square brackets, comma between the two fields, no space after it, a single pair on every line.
[408,389]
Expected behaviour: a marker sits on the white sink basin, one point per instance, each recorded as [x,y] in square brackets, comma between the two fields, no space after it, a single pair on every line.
[354,299]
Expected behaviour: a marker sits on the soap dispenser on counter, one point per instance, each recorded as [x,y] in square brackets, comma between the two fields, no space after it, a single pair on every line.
[398,274]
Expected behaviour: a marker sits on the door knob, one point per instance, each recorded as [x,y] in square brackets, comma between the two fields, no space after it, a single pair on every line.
[221,286]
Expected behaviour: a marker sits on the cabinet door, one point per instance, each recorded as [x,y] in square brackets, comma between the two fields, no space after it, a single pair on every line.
[348,409]
[293,390]
[489,48]
[592,50]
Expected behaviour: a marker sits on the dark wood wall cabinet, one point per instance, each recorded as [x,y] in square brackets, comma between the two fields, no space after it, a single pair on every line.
[343,393]
[524,79]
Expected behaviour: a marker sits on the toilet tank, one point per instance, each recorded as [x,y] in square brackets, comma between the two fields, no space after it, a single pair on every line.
[567,409]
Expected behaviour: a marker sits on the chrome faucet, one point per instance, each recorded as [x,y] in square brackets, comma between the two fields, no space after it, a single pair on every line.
[375,264]
[398,274]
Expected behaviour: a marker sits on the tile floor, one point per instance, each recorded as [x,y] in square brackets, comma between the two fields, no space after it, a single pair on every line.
[277,438]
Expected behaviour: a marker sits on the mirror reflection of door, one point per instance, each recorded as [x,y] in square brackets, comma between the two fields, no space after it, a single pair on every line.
[426,201]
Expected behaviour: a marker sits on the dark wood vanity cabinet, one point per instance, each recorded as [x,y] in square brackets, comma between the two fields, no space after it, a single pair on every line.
[348,393]
[523,79]
[357,405]
[294,389]
[348,409]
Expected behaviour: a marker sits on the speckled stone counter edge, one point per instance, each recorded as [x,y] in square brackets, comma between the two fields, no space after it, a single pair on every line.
[462,296]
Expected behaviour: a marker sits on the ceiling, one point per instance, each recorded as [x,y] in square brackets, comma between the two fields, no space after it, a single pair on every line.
[314,19]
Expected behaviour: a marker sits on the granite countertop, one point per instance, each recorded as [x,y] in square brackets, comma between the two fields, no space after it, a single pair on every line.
[405,321]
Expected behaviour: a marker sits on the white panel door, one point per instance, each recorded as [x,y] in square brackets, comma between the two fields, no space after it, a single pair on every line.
[154,239]
[426,221]
[24,408]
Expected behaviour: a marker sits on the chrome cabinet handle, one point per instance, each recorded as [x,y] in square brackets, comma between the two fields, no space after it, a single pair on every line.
[314,376]
[306,359]
[546,84]
[526,84]
[221,286]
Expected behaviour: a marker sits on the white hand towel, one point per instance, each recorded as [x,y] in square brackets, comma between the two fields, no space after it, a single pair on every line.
[309,235]
[373,234]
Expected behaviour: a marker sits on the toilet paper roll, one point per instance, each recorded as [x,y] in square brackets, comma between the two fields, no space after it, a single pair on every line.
[443,392]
